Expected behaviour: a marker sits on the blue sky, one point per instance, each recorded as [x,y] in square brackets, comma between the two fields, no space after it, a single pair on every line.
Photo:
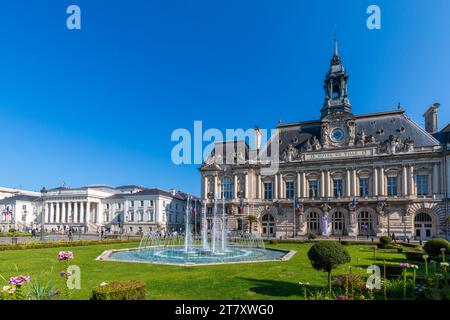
[99,105]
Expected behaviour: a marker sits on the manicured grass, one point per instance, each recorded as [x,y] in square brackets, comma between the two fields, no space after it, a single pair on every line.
[266,280]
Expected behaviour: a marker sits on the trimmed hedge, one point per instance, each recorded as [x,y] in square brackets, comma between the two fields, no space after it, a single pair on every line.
[56,244]
[384,241]
[392,270]
[120,290]
[433,247]
[17,234]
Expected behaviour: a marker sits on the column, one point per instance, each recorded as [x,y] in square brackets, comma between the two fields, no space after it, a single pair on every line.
[381,182]
[258,187]
[348,184]
[322,184]
[235,185]
[51,212]
[81,212]
[305,188]
[404,181]
[435,179]
[75,212]
[281,186]
[63,212]
[275,186]
[57,212]
[246,187]
[375,182]
[88,212]
[411,184]
[100,213]
[205,187]
[216,188]
[299,185]
[327,184]
[354,184]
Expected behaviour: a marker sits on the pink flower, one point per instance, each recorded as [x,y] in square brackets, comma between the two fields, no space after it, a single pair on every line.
[405,265]
[19,280]
[341,298]
[65,255]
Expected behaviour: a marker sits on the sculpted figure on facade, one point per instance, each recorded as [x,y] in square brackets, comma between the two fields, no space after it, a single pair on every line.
[307,146]
[290,154]
[351,131]
[316,146]
[325,134]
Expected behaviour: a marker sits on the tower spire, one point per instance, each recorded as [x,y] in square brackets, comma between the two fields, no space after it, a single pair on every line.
[336,53]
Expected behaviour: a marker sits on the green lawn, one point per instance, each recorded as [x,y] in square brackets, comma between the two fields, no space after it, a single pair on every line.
[266,280]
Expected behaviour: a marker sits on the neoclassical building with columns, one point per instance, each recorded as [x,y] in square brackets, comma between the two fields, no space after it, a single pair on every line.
[344,174]
[130,209]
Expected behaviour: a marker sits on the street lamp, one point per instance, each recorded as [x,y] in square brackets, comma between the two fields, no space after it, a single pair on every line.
[43,194]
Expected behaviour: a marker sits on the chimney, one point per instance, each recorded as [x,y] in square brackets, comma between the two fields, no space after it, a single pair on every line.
[258,137]
[431,120]
[173,191]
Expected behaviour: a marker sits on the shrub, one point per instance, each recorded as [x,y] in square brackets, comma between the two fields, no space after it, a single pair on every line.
[414,256]
[356,243]
[273,241]
[384,241]
[57,244]
[327,255]
[433,247]
[312,236]
[393,270]
[11,230]
[120,290]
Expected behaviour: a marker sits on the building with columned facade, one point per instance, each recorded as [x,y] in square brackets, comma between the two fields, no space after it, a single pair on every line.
[124,209]
[343,174]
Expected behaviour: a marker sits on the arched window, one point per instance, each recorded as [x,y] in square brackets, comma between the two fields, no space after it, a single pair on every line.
[226,188]
[364,222]
[313,222]
[338,222]
[423,226]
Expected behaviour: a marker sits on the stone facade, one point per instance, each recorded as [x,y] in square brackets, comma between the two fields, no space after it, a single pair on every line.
[342,175]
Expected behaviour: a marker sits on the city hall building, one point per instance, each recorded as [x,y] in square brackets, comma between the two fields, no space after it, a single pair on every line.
[344,174]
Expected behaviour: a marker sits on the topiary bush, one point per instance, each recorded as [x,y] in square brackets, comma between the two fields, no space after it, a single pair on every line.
[327,255]
[433,246]
[384,241]
[120,290]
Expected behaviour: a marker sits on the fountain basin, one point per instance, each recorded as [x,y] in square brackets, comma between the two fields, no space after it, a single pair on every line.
[176,255]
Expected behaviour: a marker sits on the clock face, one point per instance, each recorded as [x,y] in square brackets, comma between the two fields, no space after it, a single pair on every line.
[337,135]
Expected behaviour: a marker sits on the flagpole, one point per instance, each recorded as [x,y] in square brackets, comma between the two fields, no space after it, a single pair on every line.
[294,218]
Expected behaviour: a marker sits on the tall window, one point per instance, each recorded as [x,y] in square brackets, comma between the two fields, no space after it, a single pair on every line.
[313,189]
[227,188]
[290,189]
[422,185]
[337,188]
[150,215]
[392,186]
[131,203]
[268,190]
[363,187]
[313,222]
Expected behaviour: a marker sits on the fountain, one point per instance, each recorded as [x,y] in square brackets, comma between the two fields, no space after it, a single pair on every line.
[213,246]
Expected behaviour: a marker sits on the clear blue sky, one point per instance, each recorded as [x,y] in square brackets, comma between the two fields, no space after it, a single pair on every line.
[99,105]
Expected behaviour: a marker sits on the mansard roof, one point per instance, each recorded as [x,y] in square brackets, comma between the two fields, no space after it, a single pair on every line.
[380,125]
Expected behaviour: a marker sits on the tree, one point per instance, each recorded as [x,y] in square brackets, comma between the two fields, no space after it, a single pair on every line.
[326,256]
[251,219]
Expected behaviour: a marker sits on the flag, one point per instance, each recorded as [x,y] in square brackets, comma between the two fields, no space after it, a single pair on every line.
[193,211]
[354,204]
[313,191]
[8,211]
[241,206]
[298,208]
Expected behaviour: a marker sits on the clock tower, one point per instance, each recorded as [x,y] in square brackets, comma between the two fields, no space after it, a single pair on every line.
[338,124]
[335,86]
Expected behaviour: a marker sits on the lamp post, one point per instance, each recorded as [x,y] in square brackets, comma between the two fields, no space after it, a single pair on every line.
[43,194]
